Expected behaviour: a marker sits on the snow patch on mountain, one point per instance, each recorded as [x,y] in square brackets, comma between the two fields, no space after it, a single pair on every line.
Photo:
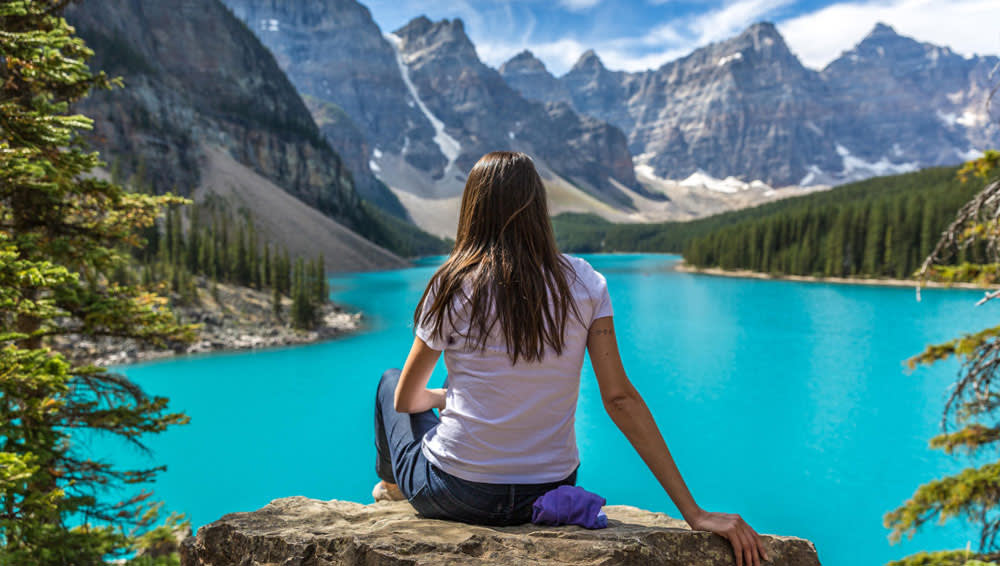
[729,185]
[269,24]
[450,147]
[856,168]
[729,58]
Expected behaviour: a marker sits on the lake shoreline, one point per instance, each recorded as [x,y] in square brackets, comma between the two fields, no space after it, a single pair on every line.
[887,282]
[232,319]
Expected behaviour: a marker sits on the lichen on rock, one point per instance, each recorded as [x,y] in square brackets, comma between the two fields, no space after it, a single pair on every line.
[301,531]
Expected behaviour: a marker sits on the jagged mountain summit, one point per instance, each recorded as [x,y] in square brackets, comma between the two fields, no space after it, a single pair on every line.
[427,108]
[207,112]
[747,108]
[528,75]
[906,104]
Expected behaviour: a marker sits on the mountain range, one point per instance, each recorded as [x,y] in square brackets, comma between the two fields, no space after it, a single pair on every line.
[427,108]
[311,103]
[748,108]
[207,113]
[732,124]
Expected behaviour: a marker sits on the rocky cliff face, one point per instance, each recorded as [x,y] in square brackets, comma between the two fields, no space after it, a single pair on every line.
[426,107]
[202,96]
[747,107]
[335,55]
[731,108]
[907,102]
[483,113]
[297,530]
[597,91]
[528,75]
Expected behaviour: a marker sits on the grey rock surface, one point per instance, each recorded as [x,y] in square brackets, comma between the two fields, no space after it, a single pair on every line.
[335,53]
[747,107]
[528,75]
[301,531]
[911,101]
[484,113]
[206,105]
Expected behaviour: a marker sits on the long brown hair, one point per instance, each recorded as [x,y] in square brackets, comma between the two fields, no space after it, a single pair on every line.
[506,254]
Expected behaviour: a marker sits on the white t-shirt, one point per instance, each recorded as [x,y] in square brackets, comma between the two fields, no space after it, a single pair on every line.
[512,423]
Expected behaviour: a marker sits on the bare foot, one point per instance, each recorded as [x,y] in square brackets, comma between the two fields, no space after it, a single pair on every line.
[385,491]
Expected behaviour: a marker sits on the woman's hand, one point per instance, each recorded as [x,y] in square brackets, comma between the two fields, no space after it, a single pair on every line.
[746,542]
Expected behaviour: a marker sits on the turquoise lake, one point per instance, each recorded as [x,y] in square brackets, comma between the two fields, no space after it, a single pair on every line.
[785,402]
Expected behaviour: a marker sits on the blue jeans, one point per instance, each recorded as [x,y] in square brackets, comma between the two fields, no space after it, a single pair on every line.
[433,492]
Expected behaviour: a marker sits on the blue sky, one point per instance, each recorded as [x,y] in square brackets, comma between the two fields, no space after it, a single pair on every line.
[640,34]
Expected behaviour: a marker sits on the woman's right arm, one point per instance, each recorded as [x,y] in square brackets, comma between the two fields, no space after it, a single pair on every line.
[631,415]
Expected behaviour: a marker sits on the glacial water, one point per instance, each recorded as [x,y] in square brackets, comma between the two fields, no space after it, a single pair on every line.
[785,402]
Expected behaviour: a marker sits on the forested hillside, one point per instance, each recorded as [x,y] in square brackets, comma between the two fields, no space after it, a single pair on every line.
[881,227]
[885,233]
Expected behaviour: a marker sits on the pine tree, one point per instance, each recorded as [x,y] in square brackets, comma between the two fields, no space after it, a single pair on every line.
[970,421]
[59,242]
[874,240]
[265,275]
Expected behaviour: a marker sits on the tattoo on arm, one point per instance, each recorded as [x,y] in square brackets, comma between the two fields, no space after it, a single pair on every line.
[603,331]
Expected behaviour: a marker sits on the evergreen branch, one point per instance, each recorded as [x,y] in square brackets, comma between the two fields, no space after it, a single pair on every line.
[984,207]
[970,438]
[973,493]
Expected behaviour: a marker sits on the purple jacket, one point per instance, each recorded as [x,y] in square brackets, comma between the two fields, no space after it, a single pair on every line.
[570,505]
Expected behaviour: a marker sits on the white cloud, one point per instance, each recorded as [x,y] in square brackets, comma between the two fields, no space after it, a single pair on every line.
[578,5]
[560,55]
[714,25]
[731,19]
[661,44]
[966,26]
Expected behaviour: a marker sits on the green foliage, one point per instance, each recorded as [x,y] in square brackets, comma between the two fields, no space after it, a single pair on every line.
[880,227]
[885,231]
[967,494]
[983,168]
[160,546]
[399,236]
[580,233]
[969,422]
[61,240]
[942,558]
[309,290]
[215,247]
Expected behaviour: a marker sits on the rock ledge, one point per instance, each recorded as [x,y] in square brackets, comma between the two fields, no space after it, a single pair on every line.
[297,531]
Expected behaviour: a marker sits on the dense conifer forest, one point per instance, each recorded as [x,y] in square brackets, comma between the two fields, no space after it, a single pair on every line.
[881,227]
[214,247]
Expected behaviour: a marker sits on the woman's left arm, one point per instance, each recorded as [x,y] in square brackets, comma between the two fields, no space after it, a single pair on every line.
[412,395]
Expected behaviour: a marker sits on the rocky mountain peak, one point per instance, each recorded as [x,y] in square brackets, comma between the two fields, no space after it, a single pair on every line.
[417,26]
[884,44]
[762,38]
[528,75]
[763,29]
[882,30]
[523,62]
[884,48]
[447,36]
[588,62]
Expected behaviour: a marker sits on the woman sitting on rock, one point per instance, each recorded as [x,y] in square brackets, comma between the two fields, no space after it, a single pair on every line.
[513,317]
